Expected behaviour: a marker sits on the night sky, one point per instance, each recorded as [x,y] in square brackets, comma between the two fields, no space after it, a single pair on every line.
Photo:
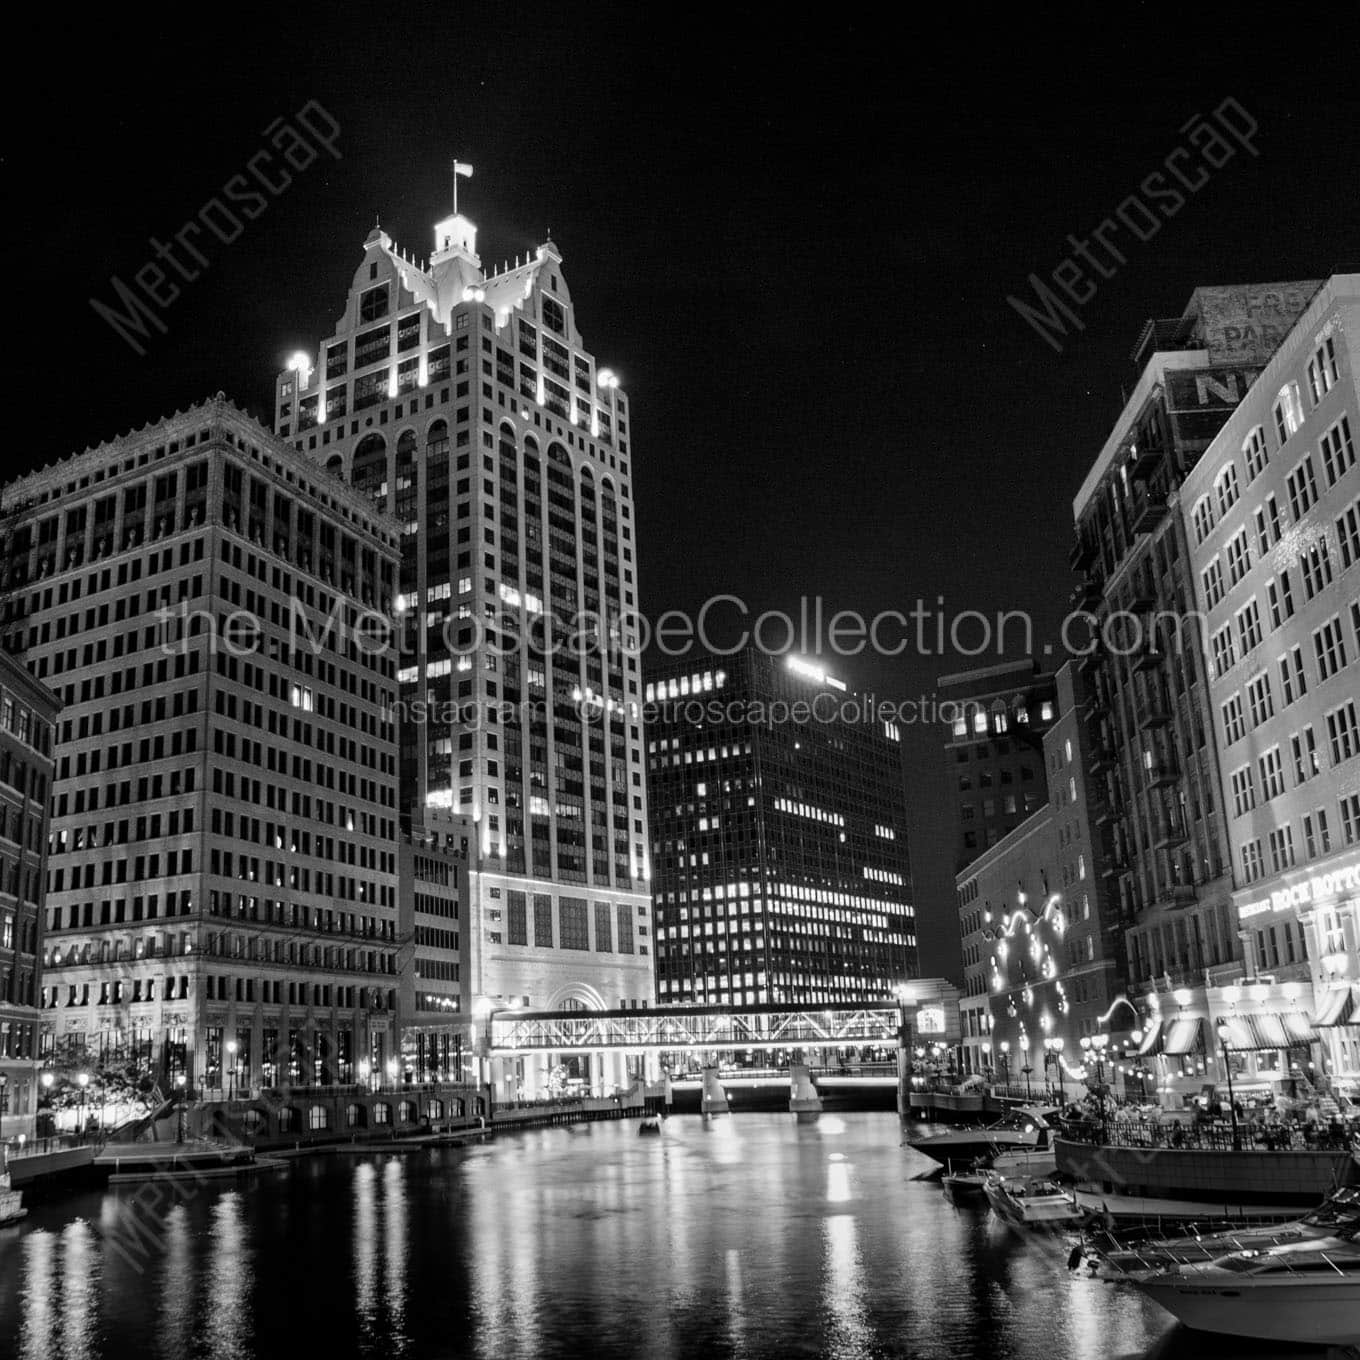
[792,238]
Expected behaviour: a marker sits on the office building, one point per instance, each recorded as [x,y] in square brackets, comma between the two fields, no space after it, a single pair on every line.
[778,835]
[1272,516]
[28,711]
[994,772]
[222,881]
[1169,856]
[464,402]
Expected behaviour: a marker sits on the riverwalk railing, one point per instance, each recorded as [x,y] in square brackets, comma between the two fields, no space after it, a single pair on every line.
[1218,1136]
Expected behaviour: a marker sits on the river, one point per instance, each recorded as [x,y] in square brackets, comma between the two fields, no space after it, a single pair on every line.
[749,1236]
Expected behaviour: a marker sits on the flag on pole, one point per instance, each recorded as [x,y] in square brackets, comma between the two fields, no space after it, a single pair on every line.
[462,168]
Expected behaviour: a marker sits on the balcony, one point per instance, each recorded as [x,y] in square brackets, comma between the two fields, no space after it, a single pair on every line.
[1082,555]
[1150,659]
[1087,595]
[1163,773]
[1143,462]
[1170,833]
[1147,513]
[1153,712]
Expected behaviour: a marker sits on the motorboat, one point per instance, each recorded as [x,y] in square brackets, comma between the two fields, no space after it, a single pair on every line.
[1030,1201]
[965,1187]
[650,1126]
[1300,1293]
[1333,1226]
[1025,1131]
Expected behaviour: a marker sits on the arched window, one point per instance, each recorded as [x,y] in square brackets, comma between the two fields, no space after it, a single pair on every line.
[356,1116]
[369,471]
[1225,484]
[336,464]
[318,1118]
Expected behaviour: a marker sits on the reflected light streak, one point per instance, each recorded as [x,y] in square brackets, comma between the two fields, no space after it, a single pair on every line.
[38,1336]
[229,1279]
[80,1275]
[848,1334]
[177,1287]
[837,1179]
[365,1245]
[394,1256]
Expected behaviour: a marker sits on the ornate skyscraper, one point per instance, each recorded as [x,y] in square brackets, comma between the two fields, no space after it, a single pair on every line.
[465,403]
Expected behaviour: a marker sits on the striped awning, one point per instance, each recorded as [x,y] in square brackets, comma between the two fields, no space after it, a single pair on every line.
[1152,1034]
[1266,1030]
[1337,1009]
[1238,1035]
[1182,1036]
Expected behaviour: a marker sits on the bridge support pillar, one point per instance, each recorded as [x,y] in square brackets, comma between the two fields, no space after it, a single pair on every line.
[714,1098]
[804,1100]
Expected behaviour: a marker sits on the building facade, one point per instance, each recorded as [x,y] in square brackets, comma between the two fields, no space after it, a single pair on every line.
[1169,855]
[222,880]
[994,771]
[1272,516]
[779,836]
[465,403]
[28,712]
[1043,951]
[432,866]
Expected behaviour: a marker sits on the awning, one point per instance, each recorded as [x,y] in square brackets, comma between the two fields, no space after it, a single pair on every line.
[1151,1035]
[1337,1009]
[1238,1035]
[1183,1036]
[1263,1031]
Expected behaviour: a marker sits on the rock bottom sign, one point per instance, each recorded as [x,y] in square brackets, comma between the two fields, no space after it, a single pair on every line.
[1320,888]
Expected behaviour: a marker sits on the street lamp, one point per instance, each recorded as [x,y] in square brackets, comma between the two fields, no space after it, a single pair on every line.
[4,1100]
[365,1068]
[1026,1069]
[180,1082]
[392,1070]
[83,1081]
[1006,1062]
[1053,1048]
[231,1068]
[1094,1045]
[1223,1034]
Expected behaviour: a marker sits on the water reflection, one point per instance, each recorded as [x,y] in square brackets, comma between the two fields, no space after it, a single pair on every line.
[227,1287]
[747,1236]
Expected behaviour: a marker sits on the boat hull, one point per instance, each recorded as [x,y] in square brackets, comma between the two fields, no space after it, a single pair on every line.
[1323,1315]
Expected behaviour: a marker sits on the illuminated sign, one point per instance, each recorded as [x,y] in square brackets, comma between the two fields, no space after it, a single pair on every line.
[930,1020]
[1319,888]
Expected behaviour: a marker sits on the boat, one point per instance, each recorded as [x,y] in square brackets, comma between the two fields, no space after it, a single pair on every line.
[1333,1226]
[650,1126]
[1299,1293]
[11,1202]
[1030,1202]
[965,1187]
[1026,1131]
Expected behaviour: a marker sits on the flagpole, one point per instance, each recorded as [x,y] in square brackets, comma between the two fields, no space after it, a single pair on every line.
[455,188]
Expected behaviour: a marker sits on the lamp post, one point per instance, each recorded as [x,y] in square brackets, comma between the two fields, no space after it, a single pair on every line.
[365,1070]
[47,1079]
[1223,1034]
[392,1068]
[1026,1069]
[1006,1063]
[231,1069]
[83,1081]
[1053,1048]
[4,1101]
[180,1082]
[1094,1045]
[902,994]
